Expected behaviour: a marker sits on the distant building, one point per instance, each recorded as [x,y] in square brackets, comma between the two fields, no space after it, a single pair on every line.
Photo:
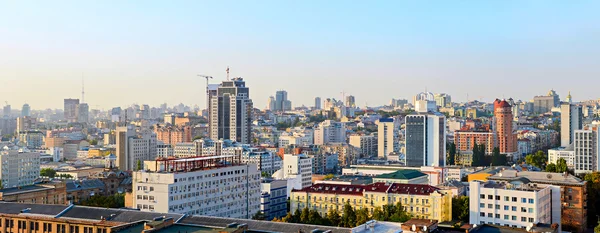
[49,193]
[31,139]
[571,119]
[350,101]
[71,109]
[544,104]
[507,140]
[367,144]
[18,168]
[26,123]
[83,113]
[330,131]
[387,137]
[317,103]
[266,161]
[133,149]
[26,110]
[443,100]
[402,177]
[172,134]
[281,101]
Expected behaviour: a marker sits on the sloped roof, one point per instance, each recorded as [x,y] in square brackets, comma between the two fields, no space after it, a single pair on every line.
[402,175]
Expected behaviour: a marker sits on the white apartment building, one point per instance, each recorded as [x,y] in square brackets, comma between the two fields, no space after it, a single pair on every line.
[295,139]
[298,166]
[18,168]
[368,144]
[330,131]
[387,136]
[571,118]
[267,161]
[586,151]
[511,205]
[231,191]
[568,154]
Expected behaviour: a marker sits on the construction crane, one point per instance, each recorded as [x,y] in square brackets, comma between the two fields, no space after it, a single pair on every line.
[207,78]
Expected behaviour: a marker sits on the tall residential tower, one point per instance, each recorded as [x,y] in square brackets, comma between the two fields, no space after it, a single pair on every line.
[231,111]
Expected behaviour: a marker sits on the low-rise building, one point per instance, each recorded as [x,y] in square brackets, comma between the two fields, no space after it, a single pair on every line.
[403,177]
[273,198]
[421,201]
[44,193]
[81,190]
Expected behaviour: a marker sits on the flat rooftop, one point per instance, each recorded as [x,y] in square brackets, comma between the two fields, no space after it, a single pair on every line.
[24,189]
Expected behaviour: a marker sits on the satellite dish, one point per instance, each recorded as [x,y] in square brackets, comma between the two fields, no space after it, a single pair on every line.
[413,228]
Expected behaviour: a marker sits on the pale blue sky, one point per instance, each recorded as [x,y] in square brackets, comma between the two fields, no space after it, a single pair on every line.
[149,52]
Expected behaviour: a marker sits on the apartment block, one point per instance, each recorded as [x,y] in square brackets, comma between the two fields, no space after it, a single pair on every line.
[367,144]
[19,168]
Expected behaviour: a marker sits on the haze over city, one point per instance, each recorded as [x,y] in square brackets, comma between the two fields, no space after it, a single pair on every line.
[150,53]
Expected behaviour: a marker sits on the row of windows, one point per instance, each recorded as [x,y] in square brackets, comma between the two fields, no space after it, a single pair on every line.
[506,217]
[507,198]
[47,227]
[513,208]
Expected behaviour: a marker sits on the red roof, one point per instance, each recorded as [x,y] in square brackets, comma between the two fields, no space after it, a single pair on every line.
[340,189]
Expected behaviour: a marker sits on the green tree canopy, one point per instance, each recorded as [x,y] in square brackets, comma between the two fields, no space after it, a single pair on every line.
[48,172]
[538,159]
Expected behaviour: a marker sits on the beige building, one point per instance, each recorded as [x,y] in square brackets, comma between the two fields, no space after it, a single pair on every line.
[18,168]
[46,193]
[366,143]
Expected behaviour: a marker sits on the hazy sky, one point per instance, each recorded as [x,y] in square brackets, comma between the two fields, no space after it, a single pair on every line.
[149,52]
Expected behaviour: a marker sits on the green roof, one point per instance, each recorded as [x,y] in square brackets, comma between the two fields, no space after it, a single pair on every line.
[402,175]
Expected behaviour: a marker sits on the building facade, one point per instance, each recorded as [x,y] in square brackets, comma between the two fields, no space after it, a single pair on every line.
[367,144]
[425,140]
[71,110]
[18,168]
[133,149]
[506,139]
[173,134]
[273,198]
[330,131]
[387,137]
[571,119]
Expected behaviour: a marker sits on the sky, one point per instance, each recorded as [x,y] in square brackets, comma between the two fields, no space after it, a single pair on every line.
[150,52]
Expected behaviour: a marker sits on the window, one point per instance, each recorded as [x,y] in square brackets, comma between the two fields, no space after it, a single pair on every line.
[523,210]
[514,218]
[524,200]
[490,215]
[506,207]
[531,201]
[530,210]
[497,215]
[514,199]
[506,198]
[506,217]
[530,219]
[497,197]
[490,197]
[523,219]
[497,207]
[481,205]
[514,208]
[482,196]
[490,206]
[481,214]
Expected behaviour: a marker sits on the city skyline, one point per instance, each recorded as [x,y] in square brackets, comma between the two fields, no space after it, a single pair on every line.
[375,52]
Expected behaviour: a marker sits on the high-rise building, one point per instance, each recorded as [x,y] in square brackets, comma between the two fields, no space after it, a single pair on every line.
[26,110]
[6,110]
[271,103]
[298,167]
[571,119]
[83,113]
[427,96]
[213,186]
[586,144]
[71,109]
[507,140]
[26,123]
[387,137]
[281,101]
[544,104]
[425,140]
[317,103]
[350,101]
[231,112]
[273,199]
[330,131]
[172,134]
[132,149]
[18,168]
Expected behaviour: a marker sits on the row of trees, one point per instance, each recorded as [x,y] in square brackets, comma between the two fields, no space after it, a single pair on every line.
[479,156]
[538,159]
[49,172]
[350,217]
[460,208]
[560,166]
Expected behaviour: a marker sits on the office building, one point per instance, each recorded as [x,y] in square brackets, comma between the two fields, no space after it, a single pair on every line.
[230,112]
[273,198]
[83,113]
[214,186]
[506,139]
[71,109]
[571,119]
[31,139]
[586,148]
[267,162]
[133,149]
[367,144]
[398,103]
[271,103]
[427,96]
[19,168]
[25,110]
[281,101]
[544,104]
[510,205]
[421,201]
[317,103]
[387,137]
[425,140]
[330,131]
[572,192]
[173,134]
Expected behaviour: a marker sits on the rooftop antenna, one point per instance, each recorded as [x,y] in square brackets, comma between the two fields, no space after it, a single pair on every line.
[82,90]
[227,70]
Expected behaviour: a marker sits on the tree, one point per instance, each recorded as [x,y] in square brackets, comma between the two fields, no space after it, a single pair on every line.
[593,197]
[333,217]
[139,165]
[93,142]
[197,138]
[348,216]
[362,216]
[114,201]
[378,214]
[315,218]
[296,216]
[551,167]
[399,214]
[460,208]
[259,216]
[561,165]
[329,176]
[477,158]
[597,228]
[538,159]
[304,215]
[497,158]
[48,172]
[451,153]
